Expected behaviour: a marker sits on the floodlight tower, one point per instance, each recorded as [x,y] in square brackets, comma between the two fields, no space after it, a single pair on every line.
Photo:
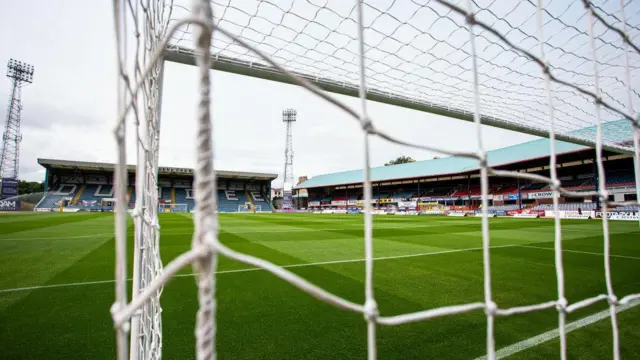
[20,74]
[288,117]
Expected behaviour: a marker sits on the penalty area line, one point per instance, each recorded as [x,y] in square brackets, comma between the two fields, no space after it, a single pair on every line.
[552,334]
[580,252]
[52,286]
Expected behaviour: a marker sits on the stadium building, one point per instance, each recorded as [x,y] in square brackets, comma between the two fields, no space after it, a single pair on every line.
[437,186]
[453,183]
[88,186]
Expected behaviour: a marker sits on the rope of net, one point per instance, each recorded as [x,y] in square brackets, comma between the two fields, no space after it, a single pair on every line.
[144,311]
[519,98]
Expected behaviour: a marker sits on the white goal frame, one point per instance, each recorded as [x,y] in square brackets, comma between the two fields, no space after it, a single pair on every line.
[140,97]
[182,208]
[255,208]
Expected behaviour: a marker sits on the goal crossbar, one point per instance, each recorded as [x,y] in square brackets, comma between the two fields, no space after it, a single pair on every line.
[185,56]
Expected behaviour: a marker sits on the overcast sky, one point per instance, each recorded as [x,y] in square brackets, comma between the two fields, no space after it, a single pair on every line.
[70,109]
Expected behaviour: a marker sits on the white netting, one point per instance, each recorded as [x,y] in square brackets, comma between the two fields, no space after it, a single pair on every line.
[139,25]
[589,80]
[417,55]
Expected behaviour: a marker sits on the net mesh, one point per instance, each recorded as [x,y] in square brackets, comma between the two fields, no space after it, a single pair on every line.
[417,54]
[543,67]
[139,26]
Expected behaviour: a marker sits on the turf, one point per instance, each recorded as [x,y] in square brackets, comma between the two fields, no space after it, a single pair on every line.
[262,317]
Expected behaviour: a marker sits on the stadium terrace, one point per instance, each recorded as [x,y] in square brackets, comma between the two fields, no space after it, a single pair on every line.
[453,183]
[73,186]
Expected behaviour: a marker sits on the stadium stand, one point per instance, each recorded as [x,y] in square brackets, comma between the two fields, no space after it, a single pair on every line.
[630,208]
[50,201]
[506,189]
[403,194]
[467,192]
[165,194]
[503,208]
[260,200]
[452,182]
[89,193]
[85,185]
[620,178]
[132,196]
[533,187]
[567,206]
[439,191]
[230,200]
[181,198]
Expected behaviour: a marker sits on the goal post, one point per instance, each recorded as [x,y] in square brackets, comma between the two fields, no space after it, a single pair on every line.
[534,78]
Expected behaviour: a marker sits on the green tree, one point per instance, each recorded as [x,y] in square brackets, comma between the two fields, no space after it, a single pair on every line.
[30,187]
[400,160]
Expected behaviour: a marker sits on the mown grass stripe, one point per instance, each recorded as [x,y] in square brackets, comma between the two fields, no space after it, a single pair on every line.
[38,287]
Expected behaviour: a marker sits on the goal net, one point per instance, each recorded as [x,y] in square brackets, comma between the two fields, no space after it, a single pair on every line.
[249,208]
[551,68]
[177,208]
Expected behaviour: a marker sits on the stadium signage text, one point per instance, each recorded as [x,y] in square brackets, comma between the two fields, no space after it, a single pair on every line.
[9,188]
[457,213]
[9,205]
[541,195]
[527,215]
[620,215]
[447,198]
[570,214]
[432,212]
[407,204]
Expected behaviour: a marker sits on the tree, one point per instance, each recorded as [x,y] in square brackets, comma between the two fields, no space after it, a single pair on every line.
[29,187]
[400,160]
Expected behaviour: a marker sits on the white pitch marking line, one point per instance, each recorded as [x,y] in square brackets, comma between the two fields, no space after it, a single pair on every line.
[581,252]
[552,334]
[258,269]
[233,232]
[97,236]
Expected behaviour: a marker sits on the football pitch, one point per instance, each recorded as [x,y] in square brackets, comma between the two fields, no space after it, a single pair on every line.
[57,271]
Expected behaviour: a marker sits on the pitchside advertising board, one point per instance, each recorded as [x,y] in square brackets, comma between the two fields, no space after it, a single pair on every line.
[9,205]
[620,215]
[541,195]
[407,204]
[9,188]
[287,202]
[8,195]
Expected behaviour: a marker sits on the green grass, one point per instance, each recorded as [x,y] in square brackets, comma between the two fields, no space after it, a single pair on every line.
[262,317]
